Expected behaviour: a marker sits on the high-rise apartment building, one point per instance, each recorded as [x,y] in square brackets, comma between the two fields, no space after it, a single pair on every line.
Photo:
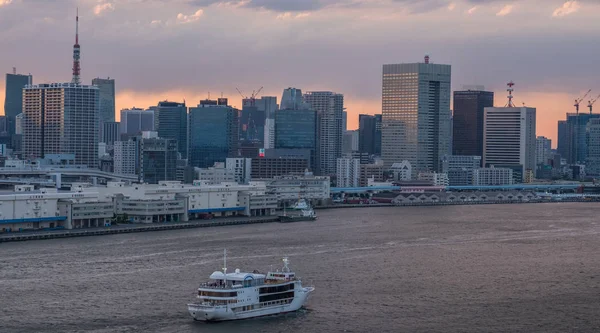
[330,109]
[467,121]
[509,139]
[135,121]
[297,129]
[173,124]
[369,129]
[126,157]
[416,114]
[543,150]
[61,118]
[13,99]
[213,134]
[348,172]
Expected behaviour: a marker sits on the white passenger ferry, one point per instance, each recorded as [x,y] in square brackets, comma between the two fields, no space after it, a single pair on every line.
[230,296]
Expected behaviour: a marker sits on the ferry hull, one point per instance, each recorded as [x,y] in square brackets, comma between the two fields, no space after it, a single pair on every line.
[223,313]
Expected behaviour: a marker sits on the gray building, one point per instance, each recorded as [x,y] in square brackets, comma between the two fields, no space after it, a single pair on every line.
[111,132]
[297,130]
[158,160]
[172,124]
[213,135]
[467,121]
[291,99]
[509,139]
[457,162]
[135,121]
[107,102]
[330,109]
[576,144]
[126,157]
[416,114]
[268,104]
[13,98]
[369,134]
[562,143]
[543,150]
[61,118]
[592,165]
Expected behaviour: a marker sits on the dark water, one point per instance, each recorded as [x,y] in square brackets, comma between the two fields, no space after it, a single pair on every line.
[496,268]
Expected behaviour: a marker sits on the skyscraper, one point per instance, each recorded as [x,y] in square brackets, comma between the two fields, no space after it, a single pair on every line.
[509,139]
[468,121]
[369,129]
[297,129]
[268,104]
[563,140]
[252,124]
[110,132]
[13,101]
[292,99]
[158,159]
[214,134]
[107,98]
[576,150]
[543,149]
[172,124]
[592,165]
[330,109]
[416,114]
[135,121]
[61,118]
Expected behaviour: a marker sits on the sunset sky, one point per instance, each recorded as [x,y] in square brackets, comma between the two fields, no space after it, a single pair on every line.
[178,49]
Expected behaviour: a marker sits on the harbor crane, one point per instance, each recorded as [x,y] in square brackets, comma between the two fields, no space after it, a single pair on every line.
[591,103]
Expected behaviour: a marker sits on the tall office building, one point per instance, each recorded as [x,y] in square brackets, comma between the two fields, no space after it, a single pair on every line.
[467,121]
[252,124]
[563,141]
[135,121]
[416,114]
[107,98]
[110,132]
[214,134]
[350,142]
[592,165]
[297,130]
[172,124]
[61,118]
[268,104]
[158,159]
[330,109]
[344,121]
[13,99]
[509,139]
[126,158]
[291,99]
[369,129]
[543,150]
[576,150]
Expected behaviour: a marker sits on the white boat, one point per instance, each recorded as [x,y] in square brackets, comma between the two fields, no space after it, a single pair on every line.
[239,295]
[301,211]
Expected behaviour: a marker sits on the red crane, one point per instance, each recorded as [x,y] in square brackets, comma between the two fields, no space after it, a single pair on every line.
[591,103]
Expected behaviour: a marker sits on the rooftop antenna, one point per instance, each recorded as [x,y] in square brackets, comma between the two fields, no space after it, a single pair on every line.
[426,58]
[15,70]
[510,96]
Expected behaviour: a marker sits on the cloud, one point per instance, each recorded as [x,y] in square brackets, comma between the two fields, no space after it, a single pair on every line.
[5,2]
[567,8]
[289,15]
[472,10]
[505,10]
[181,18]
[451,6]
[273,5]
[102,7]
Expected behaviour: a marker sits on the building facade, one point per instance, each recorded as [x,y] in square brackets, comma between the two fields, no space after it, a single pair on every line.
[543,150]
[369,132]
[348,172]
[350,142]
[330,108]
[111,132]
[214,134]
[125,157]
[562,140]
[61,118]
[268,105]
[158,160]
[13,98]
[457,162]
[297,129]
[492,176]
[592,165]
[510,140]
[266,168]
[576,151]
[416,114]
[135,121]
[172,124]
[467,121]
[241,168]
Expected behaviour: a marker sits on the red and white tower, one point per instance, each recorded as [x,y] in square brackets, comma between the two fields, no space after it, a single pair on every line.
[510,96]
[76,53]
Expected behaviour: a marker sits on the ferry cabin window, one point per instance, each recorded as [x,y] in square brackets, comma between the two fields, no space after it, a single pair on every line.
[217,293]
[275,297]
[278,289]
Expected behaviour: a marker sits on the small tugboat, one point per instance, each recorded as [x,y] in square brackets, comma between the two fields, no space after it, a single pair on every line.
[301,211]
[231,296]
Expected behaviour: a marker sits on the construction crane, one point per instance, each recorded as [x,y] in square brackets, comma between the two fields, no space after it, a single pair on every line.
[591,103]
[577,101]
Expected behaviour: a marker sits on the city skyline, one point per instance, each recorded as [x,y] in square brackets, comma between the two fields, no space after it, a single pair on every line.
[492,45]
